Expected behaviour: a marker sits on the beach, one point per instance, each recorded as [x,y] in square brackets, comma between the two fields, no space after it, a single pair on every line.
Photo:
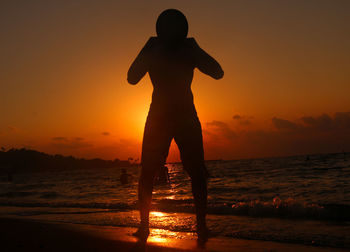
[23,234]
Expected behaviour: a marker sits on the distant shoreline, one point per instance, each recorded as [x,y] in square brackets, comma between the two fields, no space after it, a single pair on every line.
[26,160]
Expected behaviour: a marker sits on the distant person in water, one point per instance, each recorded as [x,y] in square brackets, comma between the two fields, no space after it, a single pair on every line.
[170,59]
[162,176]
[124,177]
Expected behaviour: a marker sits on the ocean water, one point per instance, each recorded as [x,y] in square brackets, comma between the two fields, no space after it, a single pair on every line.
[291,199]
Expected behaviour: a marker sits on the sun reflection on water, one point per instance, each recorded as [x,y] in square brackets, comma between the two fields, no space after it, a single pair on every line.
[158,239]
[157,214]
[165,236]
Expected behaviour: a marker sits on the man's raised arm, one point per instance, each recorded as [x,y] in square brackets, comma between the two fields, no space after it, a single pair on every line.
[205,63]
[140,65]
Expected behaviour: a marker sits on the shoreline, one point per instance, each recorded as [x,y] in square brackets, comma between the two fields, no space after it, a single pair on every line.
[23,234]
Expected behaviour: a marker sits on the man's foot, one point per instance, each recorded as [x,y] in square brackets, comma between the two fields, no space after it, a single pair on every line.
[142,233]
[203,234]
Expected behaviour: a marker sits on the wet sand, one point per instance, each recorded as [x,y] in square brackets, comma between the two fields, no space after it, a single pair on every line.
[21,234]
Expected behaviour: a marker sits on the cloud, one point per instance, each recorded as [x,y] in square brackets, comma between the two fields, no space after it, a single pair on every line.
[237,117]
[339,121]
[60,139]
[9,130]
[243,120]
[66,143]
[283,124]
[324,133]
[312,134]
[342,119]
[324,122]
[105,133]
[122,149]
[221,129]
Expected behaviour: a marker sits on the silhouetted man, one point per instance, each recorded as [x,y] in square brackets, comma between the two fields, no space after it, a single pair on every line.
[170,59]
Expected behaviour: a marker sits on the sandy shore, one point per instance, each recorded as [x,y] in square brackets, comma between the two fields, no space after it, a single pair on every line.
[28,235]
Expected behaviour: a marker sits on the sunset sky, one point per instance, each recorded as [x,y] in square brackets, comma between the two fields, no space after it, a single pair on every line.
[286,88]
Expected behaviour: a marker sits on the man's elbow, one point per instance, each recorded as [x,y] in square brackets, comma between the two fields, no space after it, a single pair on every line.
[218,75]
[132,79]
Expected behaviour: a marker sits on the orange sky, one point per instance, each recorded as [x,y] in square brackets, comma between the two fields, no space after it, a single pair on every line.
[286,89]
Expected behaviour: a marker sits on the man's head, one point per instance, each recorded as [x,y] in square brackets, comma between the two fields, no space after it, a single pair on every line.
[172,26]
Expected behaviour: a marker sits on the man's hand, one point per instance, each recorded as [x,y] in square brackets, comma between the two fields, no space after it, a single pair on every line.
[140,65]
[204,62]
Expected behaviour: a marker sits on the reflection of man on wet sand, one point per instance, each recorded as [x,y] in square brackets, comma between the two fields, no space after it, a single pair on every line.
[170,59]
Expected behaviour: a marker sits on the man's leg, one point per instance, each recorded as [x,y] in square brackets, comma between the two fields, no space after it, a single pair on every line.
[145,189]
[189,140]
[199,191]
[156,142]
